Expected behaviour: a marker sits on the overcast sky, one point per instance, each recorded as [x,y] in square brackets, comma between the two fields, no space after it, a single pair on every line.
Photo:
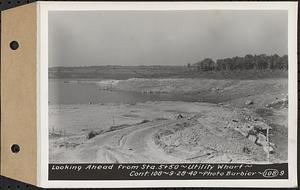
[81,38]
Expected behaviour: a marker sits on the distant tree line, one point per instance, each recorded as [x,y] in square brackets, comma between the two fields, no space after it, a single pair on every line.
[242,63]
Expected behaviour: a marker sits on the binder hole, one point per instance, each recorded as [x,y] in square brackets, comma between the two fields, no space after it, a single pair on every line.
[15,148]
[14,45]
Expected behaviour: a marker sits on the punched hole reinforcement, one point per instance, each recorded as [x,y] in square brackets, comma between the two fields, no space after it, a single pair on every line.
[14,45]
[15,148]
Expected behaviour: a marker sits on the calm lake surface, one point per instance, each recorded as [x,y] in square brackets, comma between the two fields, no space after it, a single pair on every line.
[63,92]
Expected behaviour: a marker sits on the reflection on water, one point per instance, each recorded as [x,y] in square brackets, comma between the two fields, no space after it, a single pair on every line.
[61,92]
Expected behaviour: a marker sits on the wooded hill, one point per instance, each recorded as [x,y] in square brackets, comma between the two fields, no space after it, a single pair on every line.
[248,67]
[242,63]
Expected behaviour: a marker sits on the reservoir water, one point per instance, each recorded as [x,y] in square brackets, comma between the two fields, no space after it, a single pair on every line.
[64,92]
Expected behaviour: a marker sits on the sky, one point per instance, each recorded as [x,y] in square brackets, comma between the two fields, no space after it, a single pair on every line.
[86,38]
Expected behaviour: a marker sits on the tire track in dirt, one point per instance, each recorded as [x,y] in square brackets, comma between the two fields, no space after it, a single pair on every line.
[141,143]
[136,144]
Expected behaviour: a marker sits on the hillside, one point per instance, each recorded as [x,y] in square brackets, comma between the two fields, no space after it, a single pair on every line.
[127,72]
[247,67]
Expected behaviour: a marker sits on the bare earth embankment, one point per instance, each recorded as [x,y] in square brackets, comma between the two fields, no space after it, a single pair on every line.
[230,127]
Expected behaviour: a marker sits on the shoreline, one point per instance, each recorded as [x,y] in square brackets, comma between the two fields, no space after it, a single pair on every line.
[227,113]
[128,118]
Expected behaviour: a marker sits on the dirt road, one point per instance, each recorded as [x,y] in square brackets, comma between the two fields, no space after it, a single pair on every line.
[132,144]
[206,133]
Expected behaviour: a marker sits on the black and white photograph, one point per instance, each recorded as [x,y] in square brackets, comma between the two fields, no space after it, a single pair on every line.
[156,86]
[168,86]
[159,94]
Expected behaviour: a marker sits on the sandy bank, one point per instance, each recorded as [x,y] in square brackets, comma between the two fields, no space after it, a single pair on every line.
[235,92]
[154,132]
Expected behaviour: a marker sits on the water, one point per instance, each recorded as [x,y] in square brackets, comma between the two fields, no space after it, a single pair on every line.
[62,92]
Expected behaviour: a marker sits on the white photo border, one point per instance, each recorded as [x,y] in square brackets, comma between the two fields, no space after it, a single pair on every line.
[43,9]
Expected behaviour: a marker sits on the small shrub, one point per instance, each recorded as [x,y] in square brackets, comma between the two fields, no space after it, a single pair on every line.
[92,134]
[144,121]
[246,150]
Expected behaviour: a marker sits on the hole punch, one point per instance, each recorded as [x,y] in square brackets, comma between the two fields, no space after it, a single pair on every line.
[15,148]
[14,45]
